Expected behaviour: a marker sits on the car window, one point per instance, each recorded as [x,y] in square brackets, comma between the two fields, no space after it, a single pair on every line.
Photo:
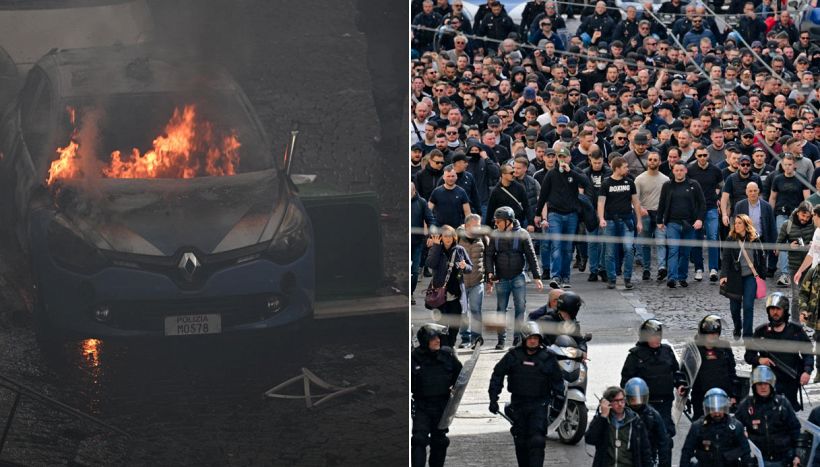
[35,112]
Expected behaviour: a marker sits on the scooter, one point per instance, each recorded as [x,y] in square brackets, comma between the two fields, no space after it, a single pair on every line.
[568,413]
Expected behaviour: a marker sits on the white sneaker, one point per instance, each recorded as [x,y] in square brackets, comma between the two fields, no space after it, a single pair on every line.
[713,275]
[699,275]
[783,281]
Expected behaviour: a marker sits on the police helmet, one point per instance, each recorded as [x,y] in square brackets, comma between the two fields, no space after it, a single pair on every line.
[569,302]
[531,328]
[651,328]
[763,374]
[711,324]
[779,300]
[637,393]
[428,331]
[716,400]
[505,213]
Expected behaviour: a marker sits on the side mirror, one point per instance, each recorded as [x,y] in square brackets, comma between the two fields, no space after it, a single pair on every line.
[588,337]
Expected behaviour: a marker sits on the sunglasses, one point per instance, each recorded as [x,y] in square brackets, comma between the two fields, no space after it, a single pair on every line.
[747,136]
[436,162]
[745,164]
[452,132]
[701,155]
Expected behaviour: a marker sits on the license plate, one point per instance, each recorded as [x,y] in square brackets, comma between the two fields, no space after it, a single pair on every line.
[192,325]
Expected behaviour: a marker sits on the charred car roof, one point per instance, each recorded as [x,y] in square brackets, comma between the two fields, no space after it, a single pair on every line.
[134,69]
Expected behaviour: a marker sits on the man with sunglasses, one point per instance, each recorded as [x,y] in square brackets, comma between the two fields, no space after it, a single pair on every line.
[710,179]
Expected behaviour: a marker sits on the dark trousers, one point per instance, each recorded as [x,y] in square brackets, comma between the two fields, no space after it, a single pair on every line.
[788,387]
[664,408]
[426,416]
[529,430]
[451,315]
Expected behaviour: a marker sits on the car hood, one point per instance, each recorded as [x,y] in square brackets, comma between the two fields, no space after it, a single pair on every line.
[158,217]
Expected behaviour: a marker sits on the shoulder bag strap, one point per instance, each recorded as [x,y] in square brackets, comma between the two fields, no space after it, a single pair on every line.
[749,261]
[520,206]
[416,130]
[449,268]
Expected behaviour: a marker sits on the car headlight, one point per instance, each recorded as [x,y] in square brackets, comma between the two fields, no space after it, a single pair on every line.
[72,252]
[292,238]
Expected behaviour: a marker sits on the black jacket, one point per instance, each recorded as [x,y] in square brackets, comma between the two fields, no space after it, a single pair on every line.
[799,360]
[771,424]
[725,439]
[426,181]
[420,214]
[536,376]
[730,264]
[500,196]
[433,373]
[598,435]
[661,443]
[505,257]
[685,196]
[658,367]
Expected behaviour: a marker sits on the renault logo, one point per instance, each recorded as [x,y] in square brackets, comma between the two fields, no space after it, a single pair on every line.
[188,265]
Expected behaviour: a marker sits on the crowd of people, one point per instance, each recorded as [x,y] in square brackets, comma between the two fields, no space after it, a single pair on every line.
[628,142]
[666,139]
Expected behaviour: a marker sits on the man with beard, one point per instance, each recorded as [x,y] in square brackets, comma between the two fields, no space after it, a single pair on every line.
[793,365]
[415,159]
[786,193]
[636,156]
[533,378]
[683,209]
[710,179]
[734,189]
[620,143]
[649,185]
[472,114]
[449,202]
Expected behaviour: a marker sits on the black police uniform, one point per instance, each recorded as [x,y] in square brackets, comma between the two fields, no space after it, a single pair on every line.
[431,377]
[658,436]
[659,368]
[531,379]
[772,425]
[717,370]
[716,443]
[798,362]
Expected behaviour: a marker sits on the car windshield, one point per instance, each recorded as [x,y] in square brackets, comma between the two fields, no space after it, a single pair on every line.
[157,136]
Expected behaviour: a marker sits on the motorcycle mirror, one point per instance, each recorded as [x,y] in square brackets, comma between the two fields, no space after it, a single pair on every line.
[588,337]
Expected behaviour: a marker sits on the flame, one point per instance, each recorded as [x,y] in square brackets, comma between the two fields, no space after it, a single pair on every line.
[188,148]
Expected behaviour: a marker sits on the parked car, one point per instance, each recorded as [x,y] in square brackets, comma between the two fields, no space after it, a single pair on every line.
[222,246]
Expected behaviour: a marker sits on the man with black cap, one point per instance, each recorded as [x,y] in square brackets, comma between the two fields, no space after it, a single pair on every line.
[784,347]
[747,139]
[434,369]
[734,188]
[485,171]
[533,378]
[710,179]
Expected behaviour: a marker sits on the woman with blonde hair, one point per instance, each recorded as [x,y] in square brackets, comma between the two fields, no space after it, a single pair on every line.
[743,260]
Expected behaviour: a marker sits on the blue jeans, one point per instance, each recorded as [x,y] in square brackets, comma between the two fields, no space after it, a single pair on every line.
[596,252]
[518,287]
[561,251]
[749,291]
[710,232]
[625,229]
[650,230]
[546,254]
[782,255]
[678,254]
[475,298]
[415,264]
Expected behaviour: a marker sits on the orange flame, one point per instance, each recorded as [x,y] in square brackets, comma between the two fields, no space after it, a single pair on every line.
[188,148]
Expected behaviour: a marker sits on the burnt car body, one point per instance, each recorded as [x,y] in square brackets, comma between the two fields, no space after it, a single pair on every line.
[118,257]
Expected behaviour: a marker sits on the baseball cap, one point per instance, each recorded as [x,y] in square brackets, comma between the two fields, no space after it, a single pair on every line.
[747,131]
[563,120]
[685,113]
[600,116]
[459,156]
[592,95]
[640,138]
[566,135]
[744,157]
[531,133]
[494,120]
[529,93]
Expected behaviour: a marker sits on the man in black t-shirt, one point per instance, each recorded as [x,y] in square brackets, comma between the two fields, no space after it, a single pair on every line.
[616,200]
[786,192]
[597,172]
[449,202]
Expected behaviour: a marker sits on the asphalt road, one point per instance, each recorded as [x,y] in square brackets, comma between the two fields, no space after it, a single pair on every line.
[306,65]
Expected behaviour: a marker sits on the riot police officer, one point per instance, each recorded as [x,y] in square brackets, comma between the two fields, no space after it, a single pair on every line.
[434,370]
[717,368]
[716,439]
[784,347]
[637,398]
[561,320]
[533,376]
[656,364]
[769,419]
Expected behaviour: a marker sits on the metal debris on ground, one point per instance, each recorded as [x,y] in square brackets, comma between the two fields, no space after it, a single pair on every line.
[306,378]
